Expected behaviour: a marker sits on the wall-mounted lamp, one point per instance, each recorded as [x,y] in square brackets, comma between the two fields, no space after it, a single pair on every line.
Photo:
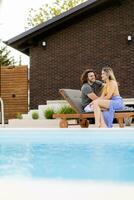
[129,38]
[44,44]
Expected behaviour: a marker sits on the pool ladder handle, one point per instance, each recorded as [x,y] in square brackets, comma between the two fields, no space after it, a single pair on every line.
[2,112]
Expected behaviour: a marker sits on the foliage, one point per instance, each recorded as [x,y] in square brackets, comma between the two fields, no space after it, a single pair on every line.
[48,11]
[19,116]
[48,113]
[128,121]
[35,115]
[66,110]
[5,58]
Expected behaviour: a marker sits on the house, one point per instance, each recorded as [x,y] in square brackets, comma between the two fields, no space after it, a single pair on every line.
[94,34]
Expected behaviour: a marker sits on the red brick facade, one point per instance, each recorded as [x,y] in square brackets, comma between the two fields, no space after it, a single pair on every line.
[93,41]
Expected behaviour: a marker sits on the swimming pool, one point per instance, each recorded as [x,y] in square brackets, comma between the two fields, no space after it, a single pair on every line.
[67,154]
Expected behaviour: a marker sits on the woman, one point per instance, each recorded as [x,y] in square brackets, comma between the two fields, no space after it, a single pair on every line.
[110,100]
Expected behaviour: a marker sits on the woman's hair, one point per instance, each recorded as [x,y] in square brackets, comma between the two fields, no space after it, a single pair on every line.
[109,73]
[84,76]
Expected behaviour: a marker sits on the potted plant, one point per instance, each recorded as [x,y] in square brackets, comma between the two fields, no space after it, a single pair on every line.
[19,116]
[48,113]
[35,115]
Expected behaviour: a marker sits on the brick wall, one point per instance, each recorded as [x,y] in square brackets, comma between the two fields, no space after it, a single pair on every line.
[94,41]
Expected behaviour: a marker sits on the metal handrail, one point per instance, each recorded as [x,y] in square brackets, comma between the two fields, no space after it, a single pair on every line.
[2,112]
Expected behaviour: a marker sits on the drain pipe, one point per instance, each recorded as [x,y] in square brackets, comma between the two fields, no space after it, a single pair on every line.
[2,112]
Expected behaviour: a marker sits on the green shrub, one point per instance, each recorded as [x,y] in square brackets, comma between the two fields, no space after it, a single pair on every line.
[19,116]
[66,110]
[48,113]
[35,115]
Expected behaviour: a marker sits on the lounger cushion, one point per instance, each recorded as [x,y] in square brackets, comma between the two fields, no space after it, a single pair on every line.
[73,97]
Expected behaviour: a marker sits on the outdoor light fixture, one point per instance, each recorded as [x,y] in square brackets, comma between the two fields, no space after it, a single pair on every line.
[129,38]
[44,44]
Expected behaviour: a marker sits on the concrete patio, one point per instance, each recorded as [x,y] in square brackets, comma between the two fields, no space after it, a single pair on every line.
[44,123]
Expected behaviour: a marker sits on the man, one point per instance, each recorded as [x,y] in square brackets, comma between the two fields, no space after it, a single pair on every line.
[90,90]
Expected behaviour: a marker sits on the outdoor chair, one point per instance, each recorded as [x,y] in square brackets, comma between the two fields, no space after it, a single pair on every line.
[73,97]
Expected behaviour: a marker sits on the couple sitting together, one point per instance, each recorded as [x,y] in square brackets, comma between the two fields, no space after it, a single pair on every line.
[101,97]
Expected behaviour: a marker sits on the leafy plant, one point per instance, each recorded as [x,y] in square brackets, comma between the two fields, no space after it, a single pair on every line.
[128,121]
[35,115]
[48,113]
[66,110]
[5,58]
[19,116]
[48,11]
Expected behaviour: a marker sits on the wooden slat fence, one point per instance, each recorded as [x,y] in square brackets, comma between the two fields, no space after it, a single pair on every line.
[14,90]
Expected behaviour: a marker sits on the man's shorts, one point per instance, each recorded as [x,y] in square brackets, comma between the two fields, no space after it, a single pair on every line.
[88,108]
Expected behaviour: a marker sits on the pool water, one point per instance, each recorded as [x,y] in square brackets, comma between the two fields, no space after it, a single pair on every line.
[81,154]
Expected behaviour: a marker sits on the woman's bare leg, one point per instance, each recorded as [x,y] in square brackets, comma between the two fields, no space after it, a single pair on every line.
[103,125]
[103,103]
[98,103]
[97,113]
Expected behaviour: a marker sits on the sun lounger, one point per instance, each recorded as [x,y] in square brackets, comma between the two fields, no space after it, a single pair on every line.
[73,97]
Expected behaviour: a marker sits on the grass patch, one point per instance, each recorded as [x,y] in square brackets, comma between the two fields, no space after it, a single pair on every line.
[66,110]
[48,113]
[19,116]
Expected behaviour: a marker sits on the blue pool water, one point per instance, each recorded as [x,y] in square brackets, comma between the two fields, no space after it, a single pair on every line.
[68,154]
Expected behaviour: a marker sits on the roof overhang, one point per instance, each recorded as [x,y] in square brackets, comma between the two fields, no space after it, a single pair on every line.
[25,40]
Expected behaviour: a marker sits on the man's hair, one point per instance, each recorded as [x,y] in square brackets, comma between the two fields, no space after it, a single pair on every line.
[84,76]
